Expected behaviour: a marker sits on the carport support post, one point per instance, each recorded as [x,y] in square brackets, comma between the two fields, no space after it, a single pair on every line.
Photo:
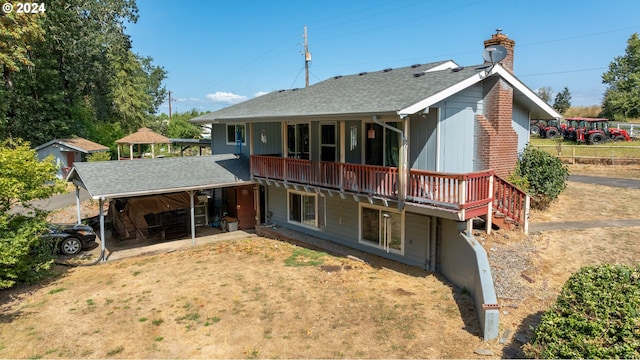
[103,240]
[193,218]
[78,204]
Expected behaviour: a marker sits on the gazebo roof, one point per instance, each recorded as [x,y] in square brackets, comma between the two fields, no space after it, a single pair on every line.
[144,136]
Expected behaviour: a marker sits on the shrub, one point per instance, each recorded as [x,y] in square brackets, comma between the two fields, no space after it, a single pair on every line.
[541,175]
[99,156]
[25,257]
[596,315]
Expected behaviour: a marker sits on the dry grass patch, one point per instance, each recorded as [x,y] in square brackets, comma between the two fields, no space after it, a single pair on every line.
[242,299]
[586,202]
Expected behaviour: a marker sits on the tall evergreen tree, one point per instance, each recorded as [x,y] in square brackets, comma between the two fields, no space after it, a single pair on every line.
[562,101]
[622,97]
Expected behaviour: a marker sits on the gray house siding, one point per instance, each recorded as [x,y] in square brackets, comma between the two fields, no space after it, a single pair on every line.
[341,217]
[60,157]
[423,141]
[521,126]
[219,143]
[267,138]
[457,126]
[417,238]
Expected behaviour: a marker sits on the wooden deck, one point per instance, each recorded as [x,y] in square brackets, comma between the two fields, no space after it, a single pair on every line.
[468,194]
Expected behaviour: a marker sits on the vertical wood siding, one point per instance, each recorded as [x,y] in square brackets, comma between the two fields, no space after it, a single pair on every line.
[457,130]
[273,134]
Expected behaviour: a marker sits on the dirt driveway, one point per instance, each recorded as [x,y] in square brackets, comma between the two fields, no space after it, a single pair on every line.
[261,298]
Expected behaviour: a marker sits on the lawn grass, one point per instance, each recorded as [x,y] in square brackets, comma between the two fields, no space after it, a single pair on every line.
[608,150]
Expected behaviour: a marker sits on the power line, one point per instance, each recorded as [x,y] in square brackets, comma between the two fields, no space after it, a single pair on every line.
[563,72]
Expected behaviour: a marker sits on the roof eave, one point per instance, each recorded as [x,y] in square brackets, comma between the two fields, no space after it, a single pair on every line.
[433,99]
[170,190]
[301,117]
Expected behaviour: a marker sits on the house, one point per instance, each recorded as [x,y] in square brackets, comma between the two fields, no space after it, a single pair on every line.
[395,162]
[68,151]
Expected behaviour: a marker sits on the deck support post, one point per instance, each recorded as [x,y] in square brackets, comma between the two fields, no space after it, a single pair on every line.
[489,223]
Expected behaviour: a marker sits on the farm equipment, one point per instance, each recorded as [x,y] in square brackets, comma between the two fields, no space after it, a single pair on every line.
[569,130]
[552,129]
[596,131]
[535,126]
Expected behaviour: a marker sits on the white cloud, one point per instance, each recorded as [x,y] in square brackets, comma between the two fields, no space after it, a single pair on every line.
[226,97]
[260,93]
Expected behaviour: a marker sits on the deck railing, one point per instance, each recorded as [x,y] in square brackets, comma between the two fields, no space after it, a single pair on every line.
[466,192]
[470,193]
[512,202]
[362,179]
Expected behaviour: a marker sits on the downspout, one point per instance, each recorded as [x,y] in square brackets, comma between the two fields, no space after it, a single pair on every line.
[402,155]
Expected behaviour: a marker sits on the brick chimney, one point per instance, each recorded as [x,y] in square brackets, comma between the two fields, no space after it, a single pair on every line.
[501,39]
[496,139]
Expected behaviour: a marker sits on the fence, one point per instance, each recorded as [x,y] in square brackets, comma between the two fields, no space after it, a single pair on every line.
[601,154]
[632,129]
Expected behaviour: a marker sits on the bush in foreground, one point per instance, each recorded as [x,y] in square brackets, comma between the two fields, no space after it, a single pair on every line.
[596,315]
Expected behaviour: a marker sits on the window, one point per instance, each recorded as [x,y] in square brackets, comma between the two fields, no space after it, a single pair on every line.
[382,144]
[382,228]
[235,133]
[303,208]
[328,146]
[298,141]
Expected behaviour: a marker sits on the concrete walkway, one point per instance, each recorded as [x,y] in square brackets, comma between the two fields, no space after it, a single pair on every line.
[116,252]
[536,228]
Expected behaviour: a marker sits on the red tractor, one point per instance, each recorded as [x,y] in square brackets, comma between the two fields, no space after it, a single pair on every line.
[596,131]
[552,129]
[569,131]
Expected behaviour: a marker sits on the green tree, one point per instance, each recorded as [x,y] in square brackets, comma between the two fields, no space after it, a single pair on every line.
[82,74]
[24,256]
[545,94]
[18,33]
[562,101]
[622,97]
[179,126]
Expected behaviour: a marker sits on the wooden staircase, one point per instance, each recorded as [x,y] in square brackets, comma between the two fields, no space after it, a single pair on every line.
[510,206]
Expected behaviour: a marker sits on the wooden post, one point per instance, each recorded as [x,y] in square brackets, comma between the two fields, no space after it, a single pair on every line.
[527,203]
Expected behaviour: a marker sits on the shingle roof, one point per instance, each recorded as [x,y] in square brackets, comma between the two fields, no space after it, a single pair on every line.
[77,143]
[385,91]
[114,179]
[144,136]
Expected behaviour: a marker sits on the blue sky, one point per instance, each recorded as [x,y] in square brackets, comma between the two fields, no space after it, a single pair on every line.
[220,52]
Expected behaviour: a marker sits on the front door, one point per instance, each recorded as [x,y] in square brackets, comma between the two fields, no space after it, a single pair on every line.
[245,207]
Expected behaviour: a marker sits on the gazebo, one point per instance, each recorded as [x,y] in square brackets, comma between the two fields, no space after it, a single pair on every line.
[142,136]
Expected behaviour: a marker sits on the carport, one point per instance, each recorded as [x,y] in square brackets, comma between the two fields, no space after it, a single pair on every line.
[106,180]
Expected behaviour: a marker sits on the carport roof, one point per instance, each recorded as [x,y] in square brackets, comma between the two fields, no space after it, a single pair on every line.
[128,178]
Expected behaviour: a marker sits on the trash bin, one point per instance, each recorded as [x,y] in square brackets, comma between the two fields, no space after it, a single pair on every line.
[233,226]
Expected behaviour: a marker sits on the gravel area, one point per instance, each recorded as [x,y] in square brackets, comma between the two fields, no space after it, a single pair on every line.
[511,265]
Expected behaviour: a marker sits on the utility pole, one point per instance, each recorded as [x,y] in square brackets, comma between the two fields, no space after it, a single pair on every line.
[307,57]
[169,104]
